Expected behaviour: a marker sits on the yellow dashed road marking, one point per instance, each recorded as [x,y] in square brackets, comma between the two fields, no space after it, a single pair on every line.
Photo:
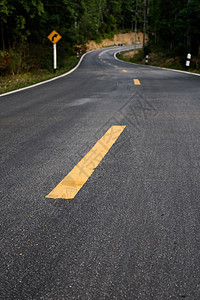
[73,182]
[103,52]
[125,71]
[136,82]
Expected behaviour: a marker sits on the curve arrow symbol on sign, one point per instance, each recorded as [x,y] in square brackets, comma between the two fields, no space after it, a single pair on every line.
[55,36]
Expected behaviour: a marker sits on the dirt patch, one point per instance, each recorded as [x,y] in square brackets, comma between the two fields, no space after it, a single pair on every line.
[129,54]
[121,38]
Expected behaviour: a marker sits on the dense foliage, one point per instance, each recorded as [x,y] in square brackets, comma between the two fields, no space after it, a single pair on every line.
[25,24]
[175,25]
[76,20]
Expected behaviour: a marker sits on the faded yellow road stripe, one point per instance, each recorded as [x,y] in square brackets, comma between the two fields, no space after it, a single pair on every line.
[125,71]
[116,66]
[73,182]
[103,52]
[136,82]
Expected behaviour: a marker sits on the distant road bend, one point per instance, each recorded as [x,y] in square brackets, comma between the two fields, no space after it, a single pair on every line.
[100,185]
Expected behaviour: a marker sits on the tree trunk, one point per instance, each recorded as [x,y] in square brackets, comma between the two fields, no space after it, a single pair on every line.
[198,59]
[144,24]
[2,37]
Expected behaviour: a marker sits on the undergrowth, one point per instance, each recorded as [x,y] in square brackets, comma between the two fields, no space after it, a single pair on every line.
[160,59]
[9,82]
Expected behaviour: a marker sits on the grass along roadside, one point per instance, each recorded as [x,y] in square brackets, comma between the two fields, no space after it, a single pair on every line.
[159,59]
[13,82]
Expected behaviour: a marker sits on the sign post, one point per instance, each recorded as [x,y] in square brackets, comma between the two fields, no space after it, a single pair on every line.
[54,58]
[54,37]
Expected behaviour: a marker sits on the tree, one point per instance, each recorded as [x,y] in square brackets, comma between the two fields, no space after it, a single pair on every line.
[174,25]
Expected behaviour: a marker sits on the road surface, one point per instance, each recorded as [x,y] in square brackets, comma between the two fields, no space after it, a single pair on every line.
[132,231]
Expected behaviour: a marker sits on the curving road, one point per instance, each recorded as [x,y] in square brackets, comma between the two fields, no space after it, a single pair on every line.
[133,229]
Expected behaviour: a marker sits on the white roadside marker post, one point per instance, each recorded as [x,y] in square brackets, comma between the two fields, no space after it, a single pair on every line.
[187,64]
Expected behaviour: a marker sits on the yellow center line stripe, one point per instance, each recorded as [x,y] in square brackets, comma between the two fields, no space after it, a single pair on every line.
[125,71]
[73,182]
[103,52]
[136,82]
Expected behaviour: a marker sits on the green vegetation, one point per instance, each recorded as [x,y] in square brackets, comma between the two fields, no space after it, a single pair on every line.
[173,30]
[172,26]
[159,59]
[25,51]
[25,25]
[10,82]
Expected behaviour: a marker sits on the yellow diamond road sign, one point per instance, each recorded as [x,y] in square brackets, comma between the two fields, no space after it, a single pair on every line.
[54,37]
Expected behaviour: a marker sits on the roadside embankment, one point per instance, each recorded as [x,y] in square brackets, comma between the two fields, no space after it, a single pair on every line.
[121,38]
[11,82]
[160,59]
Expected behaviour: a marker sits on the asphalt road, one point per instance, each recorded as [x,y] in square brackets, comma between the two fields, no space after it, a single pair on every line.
[133,230]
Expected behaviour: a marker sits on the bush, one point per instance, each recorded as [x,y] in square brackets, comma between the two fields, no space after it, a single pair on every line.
[147,49]
[138,57]
[5,61]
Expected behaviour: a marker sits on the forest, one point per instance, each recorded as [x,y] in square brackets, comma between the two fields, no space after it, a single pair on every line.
[172,26]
